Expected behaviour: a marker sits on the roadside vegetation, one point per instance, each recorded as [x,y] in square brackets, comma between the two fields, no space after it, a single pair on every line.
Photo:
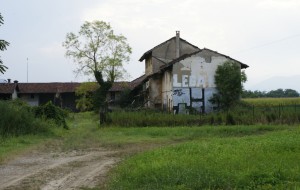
[22,126]
[17,118]
[242,113]
[173,151]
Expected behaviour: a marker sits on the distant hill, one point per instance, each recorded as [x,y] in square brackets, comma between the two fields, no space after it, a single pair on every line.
[292,82]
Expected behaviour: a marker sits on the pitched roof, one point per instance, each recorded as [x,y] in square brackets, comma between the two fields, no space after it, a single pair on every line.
[149,52]
[119,86]
[136,82]
[47,87]
[164,67]
[7,88]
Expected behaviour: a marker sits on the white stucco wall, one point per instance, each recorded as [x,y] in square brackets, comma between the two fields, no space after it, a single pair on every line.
[194,79]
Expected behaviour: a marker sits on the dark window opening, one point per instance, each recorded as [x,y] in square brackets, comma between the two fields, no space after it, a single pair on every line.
[112,95]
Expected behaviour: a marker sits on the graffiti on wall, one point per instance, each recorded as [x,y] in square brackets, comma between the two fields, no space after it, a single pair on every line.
[190,96]
[188,81]
[196,98]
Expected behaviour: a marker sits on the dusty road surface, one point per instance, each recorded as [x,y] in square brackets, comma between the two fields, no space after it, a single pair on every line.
[57,170]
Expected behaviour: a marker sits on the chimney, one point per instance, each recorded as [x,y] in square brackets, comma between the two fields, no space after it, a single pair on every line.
[177,44]
[15,81]
[8,80]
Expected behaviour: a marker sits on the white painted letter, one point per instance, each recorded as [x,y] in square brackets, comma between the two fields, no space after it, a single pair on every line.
[175,82]
[185,81]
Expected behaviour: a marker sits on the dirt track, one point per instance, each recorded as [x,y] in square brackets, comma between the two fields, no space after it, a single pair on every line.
[56,170]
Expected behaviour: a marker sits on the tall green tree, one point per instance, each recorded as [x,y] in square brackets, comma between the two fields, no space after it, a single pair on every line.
[229,81]
[97,49]
[3,45]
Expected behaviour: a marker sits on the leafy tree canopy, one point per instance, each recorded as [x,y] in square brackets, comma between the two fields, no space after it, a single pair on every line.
[97,49]
[228,80]
[3,45]
[279,93]
[85,93]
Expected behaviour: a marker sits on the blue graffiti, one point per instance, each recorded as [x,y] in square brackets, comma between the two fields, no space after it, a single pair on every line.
[178,92]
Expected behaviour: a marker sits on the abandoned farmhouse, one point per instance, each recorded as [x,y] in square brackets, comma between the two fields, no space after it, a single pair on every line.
[178,76]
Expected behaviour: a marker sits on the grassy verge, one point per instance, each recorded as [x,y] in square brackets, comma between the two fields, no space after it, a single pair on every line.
[13,146]
[217,160]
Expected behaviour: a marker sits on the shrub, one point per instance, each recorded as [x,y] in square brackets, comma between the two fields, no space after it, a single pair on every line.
[50,111]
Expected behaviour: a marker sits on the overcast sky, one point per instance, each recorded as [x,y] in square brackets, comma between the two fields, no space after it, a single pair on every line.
[264,34]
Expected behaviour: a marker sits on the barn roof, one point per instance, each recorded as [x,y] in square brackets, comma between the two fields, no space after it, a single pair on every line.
[119,86]
[61,87]
[7,88]
[138,81]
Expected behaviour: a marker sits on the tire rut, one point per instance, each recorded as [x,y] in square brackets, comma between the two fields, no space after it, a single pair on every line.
[55,170]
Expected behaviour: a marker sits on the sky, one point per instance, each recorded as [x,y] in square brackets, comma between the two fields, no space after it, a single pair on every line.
[264,34]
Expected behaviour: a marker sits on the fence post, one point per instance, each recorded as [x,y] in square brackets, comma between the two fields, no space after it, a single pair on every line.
[252,113]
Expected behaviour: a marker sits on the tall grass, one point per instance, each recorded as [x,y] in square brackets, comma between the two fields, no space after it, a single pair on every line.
[151,118]
[269,161]
[17,119]
[239,115]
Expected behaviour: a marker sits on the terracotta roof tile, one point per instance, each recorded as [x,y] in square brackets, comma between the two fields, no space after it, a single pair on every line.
[119,86]
[136,82]
[7,88]
[26,88]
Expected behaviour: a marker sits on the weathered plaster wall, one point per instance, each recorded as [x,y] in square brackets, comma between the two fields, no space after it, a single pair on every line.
[167,91]
[167,52]
[193,80]
[155,88]
[157,94]
[148,66]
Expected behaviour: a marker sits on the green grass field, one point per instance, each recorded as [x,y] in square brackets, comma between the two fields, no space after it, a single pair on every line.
[272,101]
[218,160]
[194,157]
